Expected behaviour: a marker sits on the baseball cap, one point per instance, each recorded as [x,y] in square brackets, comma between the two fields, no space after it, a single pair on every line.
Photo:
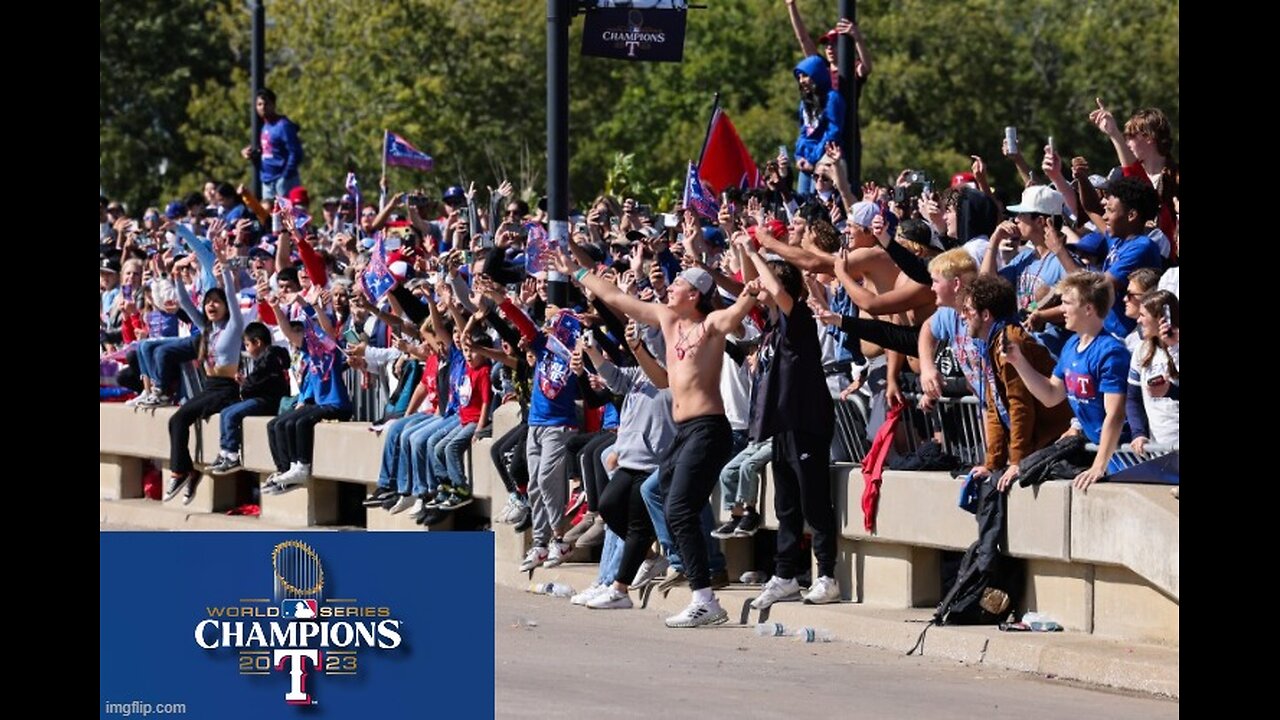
[299,196]
[109,264]
[698,278]
[454,194]
[175,210]
[1039,199]
[864,213]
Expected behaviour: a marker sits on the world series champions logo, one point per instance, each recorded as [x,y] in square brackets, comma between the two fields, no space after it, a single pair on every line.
[298,631]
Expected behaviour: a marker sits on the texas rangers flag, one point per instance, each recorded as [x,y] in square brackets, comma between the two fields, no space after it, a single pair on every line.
[400,152]
[696,197]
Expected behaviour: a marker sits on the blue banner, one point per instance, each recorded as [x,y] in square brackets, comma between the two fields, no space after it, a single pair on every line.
[295,625]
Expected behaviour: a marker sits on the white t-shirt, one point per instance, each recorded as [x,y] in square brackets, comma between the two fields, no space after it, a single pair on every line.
[1169,281]
[1162,412]
[735,386]
[977,248]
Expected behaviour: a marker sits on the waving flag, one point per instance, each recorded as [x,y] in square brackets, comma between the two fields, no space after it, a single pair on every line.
[696,197]
[321,349]
[537,249]
[399,152]
[725,161]
[377,278]
[353,187]
[563,334]
[300,216]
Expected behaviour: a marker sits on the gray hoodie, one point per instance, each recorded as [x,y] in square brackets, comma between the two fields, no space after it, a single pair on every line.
[646,429]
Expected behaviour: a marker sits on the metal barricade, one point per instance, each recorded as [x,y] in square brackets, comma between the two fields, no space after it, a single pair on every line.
[368,399]
[1125,456]
[955,423]
[851,428]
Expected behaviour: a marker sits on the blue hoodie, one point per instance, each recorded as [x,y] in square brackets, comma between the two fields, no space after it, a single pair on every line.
[281,149]
[811,141]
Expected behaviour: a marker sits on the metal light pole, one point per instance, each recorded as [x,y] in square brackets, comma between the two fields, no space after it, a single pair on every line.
[256,69]
[558,139]
[846,60]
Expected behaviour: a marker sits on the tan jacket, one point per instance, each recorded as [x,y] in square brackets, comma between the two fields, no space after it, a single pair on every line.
[1031,425]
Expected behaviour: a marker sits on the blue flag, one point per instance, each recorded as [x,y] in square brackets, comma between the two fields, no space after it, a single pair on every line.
[398,151]
[537,249]
[377,278]
[698,199]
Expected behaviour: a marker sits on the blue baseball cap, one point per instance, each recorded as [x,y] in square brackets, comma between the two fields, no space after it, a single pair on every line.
[175,210]
[454,193]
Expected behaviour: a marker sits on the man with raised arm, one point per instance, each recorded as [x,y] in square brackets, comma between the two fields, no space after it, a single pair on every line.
[695,339]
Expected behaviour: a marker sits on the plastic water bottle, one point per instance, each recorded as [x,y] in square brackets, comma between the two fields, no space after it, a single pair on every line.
[774,629]
[809,635]
[1039,622]
[553,589]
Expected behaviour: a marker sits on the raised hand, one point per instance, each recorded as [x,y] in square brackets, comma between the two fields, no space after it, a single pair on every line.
[979,169]
[880,229]
[627,283]
[833,149]
[505,189]
[1104,120]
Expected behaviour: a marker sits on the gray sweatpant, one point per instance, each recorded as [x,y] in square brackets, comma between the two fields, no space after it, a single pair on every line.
[548,487]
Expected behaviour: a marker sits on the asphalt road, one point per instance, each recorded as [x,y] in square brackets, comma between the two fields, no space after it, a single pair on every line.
[556,660]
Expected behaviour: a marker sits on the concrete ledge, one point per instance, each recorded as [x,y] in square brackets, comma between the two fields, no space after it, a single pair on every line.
[315,503]
[1134,526]
[151,514]
[119,477]
[1070,656]
[347,451]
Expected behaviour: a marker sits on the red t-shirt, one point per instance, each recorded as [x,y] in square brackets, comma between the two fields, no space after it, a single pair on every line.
[129,329]
[475,391]
[430,371]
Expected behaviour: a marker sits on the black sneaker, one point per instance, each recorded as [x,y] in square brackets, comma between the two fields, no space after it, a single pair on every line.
[176,484]
[442,494]
[190,494]
[459,497]
[433,517]
[526,523]
[225,465]
[390,500]
[748,524]
[725,531]
[377,496]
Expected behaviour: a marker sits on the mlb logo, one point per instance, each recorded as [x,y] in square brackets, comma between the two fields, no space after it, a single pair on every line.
[299,609]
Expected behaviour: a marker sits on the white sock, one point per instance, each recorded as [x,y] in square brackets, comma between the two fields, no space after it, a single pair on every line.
[705,595]
[295,465]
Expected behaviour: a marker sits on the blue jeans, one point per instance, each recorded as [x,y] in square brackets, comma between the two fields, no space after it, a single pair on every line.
[740,479]
[166,357]
[610,558]
[651,491]
[427,469]
[455,445]
[232,419]
[406,467]
[280,186]
[395,449]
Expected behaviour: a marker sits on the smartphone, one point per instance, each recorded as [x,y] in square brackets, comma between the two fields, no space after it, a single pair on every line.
[669,220]
[782,151]
[1168,317]
[928,187]
[613,223]
[1011,138]
[588,340]
[1051,148]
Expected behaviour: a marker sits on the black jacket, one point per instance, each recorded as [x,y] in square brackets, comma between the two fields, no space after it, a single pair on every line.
[268,376]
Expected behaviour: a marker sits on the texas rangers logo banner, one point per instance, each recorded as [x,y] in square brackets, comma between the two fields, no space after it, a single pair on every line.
[293,625]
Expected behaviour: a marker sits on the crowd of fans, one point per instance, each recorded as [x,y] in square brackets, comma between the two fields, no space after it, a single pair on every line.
[684,352]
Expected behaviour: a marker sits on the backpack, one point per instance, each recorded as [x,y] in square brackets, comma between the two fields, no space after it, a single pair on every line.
[987,584]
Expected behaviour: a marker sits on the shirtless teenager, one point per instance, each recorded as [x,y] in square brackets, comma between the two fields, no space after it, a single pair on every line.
[695,340]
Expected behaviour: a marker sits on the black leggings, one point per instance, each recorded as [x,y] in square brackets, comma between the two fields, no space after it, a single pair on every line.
[292,435]
[802,493]
[624,512]
[900,338]
[218,393]
[689,471]
[594,476]
[517,475]
[573,446]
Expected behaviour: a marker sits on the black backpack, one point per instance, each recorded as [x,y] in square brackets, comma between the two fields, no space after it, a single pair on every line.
[987,585]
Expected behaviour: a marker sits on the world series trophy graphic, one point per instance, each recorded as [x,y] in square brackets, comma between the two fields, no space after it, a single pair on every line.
[297,573]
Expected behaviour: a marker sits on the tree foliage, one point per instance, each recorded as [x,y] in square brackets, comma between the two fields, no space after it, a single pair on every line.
[466,83]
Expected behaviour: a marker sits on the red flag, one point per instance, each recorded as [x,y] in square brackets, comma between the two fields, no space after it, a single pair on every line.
[725,161]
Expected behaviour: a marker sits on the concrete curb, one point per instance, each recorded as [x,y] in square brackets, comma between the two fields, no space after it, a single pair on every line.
[1072,656]
[152,515]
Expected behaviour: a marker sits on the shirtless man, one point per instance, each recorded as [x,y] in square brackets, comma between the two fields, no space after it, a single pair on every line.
[695,339]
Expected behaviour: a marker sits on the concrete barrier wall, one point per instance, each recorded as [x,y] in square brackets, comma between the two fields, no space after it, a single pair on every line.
[1105,561]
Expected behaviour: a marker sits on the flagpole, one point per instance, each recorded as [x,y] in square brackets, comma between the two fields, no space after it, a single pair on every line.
[386,135]
[715,105]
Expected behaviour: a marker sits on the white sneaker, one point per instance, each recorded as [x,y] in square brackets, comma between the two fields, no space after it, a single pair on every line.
[141,399]
[698,614]
[557,553]
[293,476]
[404,503]
[535,557]
[776,590]
[651,569]
[613,599]
[582,597]
[518,514]
[417,506]
[509,510]
[823,590]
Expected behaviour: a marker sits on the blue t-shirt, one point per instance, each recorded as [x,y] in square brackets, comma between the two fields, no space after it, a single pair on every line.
[1123,257]
[611,419]
[323,367]
[949,327]
[555,389]
[1089,374]
[1032,276]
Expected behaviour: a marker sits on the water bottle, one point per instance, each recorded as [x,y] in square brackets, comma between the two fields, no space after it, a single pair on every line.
[1040,622]
[774,629]
[809,635]
[552,589]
